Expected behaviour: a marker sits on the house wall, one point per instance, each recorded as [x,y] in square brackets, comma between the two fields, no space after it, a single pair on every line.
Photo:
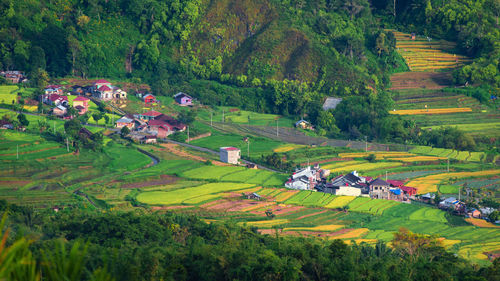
[348,191]
[229,156]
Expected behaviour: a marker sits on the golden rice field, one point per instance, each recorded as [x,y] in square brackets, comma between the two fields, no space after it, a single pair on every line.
[427,55]
[288,147]
[341,164]
[367,167]
[266,223]
[328,227]
[339,202]
[283,196]
[431,111]
[355,233]
[417,159]
[448,242]
[476,251]
[378,155]
[481,223]
[430,183]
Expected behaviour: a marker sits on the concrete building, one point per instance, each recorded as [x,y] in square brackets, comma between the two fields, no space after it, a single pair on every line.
[230,155]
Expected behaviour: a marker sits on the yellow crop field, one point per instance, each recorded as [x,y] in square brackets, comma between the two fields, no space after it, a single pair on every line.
[266,223]
[430,183]
[351,234]
[481,223]
[431,111]
[427,55]
[448,242]
[328,227]
[378,155]
[475,251]
[367,167]
[417,159]
[342,164]
[340,202]
[283,196]
[288,147]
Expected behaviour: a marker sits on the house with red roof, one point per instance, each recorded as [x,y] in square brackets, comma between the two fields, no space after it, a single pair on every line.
[147,116]
[101,82]
[149,98]
[408,190]
[160,128]
[81,104]
[55,99]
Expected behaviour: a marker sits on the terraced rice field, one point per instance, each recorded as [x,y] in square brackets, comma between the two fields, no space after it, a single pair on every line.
[378,154]
[366,167]
[418,159]
[191,195]
[430,183]
[481,223]
[430,111]
[340,202]
[423,54]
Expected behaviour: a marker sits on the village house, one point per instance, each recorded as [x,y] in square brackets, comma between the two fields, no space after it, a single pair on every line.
[379,189]
[147,116]
[253,196]
[451,203]
[350,185]
[77,90]
[230,155]
[174,123]
[13,76]
[303,124]
[149,139]
[59,111]
[103,90]
[474,213]
[183,99]
[81,104]
[6,124]
[149,98]
[306,179]
[125,122]
[54,89]
[100,83]
[160,128]
[55,99]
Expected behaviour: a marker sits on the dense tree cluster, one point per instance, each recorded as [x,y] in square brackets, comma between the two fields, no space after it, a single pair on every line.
[130,246]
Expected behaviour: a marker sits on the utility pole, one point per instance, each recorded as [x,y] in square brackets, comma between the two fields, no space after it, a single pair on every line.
[54,127]
[459,188]
[67,145]
[222,118]
[277,134]
[366,144]
[248,148]
[385,175]
[188,135]
[448,165]
[211,119]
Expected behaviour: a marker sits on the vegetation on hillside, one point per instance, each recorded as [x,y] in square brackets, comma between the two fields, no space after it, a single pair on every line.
[128,246]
